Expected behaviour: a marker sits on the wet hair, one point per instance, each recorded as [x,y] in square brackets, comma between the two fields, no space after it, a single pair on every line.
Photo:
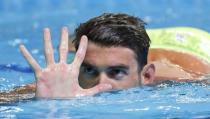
[113,30]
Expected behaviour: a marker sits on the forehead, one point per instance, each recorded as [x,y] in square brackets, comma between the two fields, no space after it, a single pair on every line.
[97,55]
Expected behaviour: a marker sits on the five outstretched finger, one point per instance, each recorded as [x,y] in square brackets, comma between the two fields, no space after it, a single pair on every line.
[30,59]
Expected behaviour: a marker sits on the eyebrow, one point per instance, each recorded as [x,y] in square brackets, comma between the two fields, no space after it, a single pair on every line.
[88,64]
[117,66]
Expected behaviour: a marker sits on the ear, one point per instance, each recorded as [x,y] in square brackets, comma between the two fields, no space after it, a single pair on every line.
[148,74]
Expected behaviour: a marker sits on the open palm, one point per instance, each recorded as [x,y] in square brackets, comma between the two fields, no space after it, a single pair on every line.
[60,80]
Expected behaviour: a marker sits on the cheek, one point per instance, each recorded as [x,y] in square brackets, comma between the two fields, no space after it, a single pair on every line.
[135,74]
[133,79]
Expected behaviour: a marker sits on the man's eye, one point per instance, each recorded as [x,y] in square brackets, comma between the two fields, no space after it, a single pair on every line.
[89,70]
[117,73]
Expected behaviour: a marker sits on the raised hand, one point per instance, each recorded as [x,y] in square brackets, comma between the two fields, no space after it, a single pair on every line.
[60,80]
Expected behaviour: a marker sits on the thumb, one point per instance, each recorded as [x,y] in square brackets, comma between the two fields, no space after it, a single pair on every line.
[99,88]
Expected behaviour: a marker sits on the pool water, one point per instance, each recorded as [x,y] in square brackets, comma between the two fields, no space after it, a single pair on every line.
[167,100]
[23,21]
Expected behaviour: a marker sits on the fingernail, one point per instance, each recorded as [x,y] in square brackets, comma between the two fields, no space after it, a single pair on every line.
[21,46]
[84,37]
[65,28]
[46,29]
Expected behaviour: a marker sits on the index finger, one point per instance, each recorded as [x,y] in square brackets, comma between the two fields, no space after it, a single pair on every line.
[80,54]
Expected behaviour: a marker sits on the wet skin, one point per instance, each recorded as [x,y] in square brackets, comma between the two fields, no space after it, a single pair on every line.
[113,65]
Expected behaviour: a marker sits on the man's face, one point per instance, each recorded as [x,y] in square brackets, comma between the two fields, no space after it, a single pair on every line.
[111,65]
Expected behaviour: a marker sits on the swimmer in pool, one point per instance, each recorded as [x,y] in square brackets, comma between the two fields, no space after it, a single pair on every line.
[111,53]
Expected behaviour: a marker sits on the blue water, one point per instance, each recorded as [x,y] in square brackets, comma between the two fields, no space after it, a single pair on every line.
[23,21]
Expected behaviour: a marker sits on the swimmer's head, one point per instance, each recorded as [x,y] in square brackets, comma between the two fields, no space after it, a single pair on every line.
[111,30]
[117,52]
